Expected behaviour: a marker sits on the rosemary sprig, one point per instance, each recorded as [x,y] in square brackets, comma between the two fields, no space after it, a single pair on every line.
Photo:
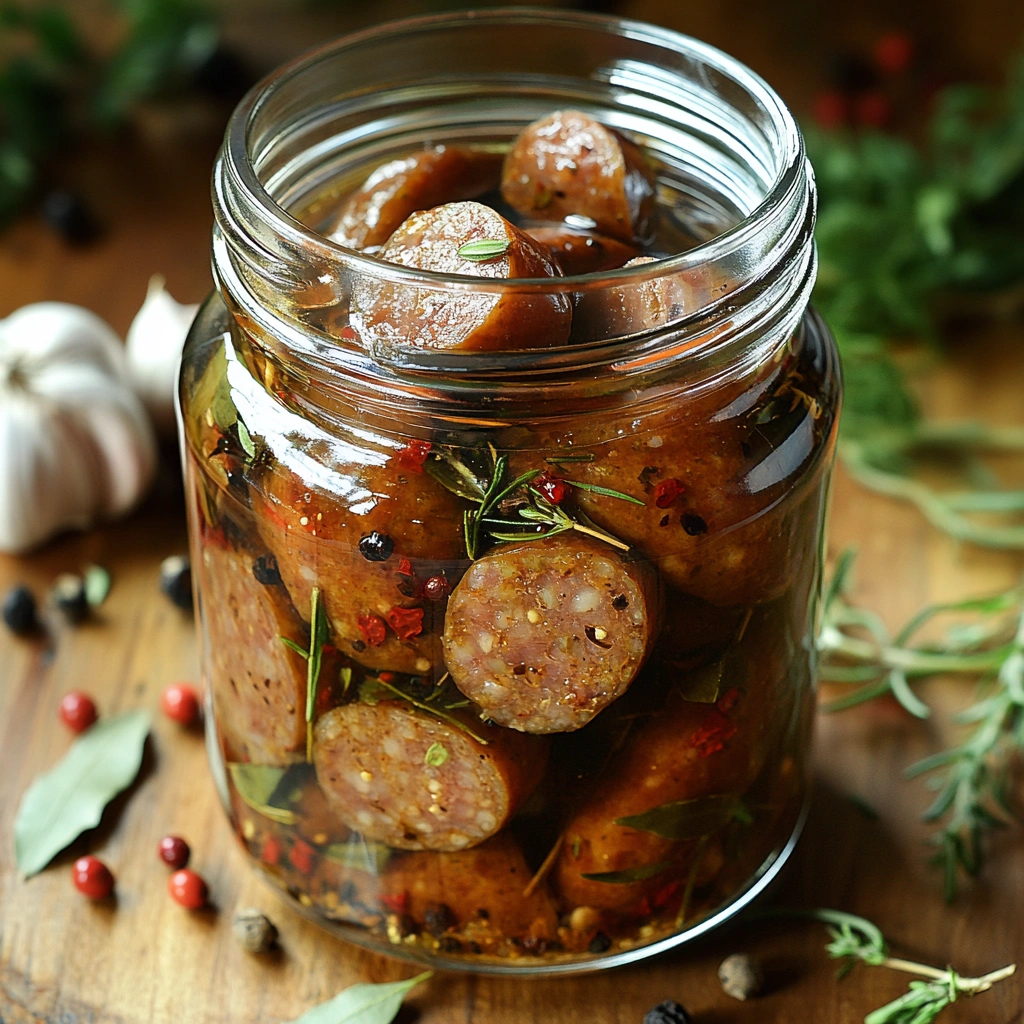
[987,645]
[512,510]
[314,658]
[857,939]
[431,709]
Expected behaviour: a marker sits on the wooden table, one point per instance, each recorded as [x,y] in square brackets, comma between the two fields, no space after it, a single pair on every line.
[147,960]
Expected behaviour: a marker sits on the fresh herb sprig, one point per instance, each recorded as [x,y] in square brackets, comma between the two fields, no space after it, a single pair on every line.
[986,644]
[509,510]
[855,939]
[318,636]
[901,229]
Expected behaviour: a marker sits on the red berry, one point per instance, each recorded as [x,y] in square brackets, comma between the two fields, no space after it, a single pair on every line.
[92,878]
[180,703]
[301,857]
[553,487]
[77,711]
[174,851]
[894,52]
[435,588]
[872,110]
[188,889]
[831,110]
[271,852]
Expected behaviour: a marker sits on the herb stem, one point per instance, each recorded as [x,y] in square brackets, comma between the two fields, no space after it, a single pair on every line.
[544,869]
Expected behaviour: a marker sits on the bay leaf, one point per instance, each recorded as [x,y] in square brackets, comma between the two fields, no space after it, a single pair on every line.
[688,819]
[69,799]
[363,1004]
[624,877]
[359,855]
[256,784]
[702,685]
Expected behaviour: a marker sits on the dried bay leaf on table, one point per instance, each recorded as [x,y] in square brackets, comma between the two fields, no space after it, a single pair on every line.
[363,1004]
[69,799]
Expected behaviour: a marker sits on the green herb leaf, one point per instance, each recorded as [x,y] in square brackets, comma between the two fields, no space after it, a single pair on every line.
[606,491]
[437,754]
[629,875]
[482,249]
[244,439]
[292,645]
[256,784]
[70,798]
[364,1003]
[359,855]
[317,641]
[97,585]
[688,819]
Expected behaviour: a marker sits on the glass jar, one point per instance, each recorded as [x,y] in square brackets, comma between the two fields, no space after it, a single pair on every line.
[509,656]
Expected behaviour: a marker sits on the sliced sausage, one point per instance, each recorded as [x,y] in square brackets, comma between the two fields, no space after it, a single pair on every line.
[569,164]
[369,532]
[442,174]
[414,781]
[388,314]
[258,685]
[474,895]
[542,635]
[582,252]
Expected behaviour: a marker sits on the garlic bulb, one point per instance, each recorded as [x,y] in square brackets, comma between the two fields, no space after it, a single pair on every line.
[154,343]
[76,445]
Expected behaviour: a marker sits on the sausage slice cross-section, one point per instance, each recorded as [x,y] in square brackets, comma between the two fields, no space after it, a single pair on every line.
[388,313]
[417,782]
[544,634]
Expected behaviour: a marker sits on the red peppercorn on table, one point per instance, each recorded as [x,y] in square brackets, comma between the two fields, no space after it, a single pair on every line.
[142,957]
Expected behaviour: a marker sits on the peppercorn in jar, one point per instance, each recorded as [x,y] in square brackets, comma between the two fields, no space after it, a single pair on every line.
[507,435]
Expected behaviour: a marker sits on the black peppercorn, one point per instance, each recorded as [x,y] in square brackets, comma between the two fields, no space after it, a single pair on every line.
[376,547]
[668,1012]
[68,594]
[600,943]
[176,580]
[265,570]
[20,611]
[70,217]
[438,918]
[693,524]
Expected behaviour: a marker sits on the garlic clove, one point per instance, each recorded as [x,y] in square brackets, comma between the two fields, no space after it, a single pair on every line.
[154,343]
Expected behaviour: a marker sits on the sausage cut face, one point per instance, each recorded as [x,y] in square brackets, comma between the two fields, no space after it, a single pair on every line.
[416,782]
[545,634]
[582,252]
[569,164]
[390,313]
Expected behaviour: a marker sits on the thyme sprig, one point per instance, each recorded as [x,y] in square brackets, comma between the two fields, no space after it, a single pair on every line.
[512,510]
[985,644]
[855,939]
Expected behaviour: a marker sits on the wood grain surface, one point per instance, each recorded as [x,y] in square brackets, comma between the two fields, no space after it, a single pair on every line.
[144,960]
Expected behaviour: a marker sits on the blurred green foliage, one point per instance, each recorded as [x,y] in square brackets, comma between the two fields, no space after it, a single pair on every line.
[52,87]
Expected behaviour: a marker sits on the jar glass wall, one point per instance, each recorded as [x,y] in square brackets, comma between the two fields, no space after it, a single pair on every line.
[509,654]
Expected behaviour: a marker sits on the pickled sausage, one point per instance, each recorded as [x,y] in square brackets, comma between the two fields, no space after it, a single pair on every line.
[368,537]
[474,894]
[406,778]
[582,252]
[569,164]
[259,701]
[542,635]
[389,313]
[444,174]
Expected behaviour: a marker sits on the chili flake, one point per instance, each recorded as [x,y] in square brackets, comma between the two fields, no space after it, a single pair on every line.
[717,728]
[553,487]
[667,491]
[301,857]
[405,567]
[373,629]
[397,903]
[271,851]
[414,455]
[406,622]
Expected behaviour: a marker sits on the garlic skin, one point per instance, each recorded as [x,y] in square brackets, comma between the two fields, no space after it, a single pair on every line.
[153,345]
[76,445]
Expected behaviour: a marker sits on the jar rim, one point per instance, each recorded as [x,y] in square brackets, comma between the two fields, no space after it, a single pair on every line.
[790,170]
